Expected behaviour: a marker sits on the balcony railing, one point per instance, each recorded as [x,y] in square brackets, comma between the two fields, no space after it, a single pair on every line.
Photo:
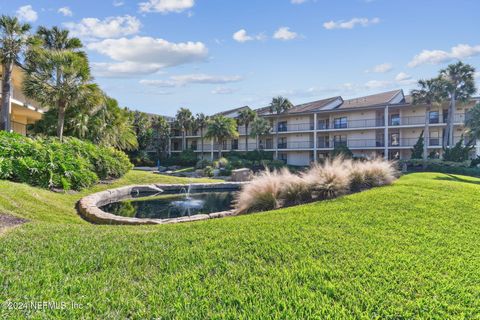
[420,120]
[352,124]
[410,142]
[295,145]
[295,127]
[350,143]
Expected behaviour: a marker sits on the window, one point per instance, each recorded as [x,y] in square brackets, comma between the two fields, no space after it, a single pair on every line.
[235,144]
[395,139]
[282,126]
[340,123]
[445,115]
[395,119]
[323,142]
[340,140]
[282,143]
[224,145]
[323,124]
[433,117]
[193,146]
[282,156]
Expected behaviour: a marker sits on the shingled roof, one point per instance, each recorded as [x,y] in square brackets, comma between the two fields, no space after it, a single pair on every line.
[302,108]
[371,100]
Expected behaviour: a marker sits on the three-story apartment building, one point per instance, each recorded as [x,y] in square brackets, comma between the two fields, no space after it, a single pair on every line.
[385,124]
[23,111]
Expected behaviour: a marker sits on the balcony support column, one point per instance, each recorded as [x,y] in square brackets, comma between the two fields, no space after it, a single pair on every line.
[169,146]
[385,134]
[315,138]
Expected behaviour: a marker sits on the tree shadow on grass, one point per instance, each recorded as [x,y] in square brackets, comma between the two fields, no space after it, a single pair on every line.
[451,177]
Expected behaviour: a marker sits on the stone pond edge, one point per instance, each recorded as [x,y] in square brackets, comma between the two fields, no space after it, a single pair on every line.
[89,207]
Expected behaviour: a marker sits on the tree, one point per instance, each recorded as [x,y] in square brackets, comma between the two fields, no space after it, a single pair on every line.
[142,125]
[279,105]
[418,149]
[259,128]
[221,128]
[473,124]
[58,39]
[201,122]
[459,85]
[184,121]
[430,92]
[13,40]
[61,79]
[161,135]
[245,117]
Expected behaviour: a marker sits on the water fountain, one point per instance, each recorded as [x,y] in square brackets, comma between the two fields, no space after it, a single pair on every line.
[187,204]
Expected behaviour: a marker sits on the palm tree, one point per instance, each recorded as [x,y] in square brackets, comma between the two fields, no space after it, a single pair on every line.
[68,88]
[13,40]
[245,117]
[279,105]
[221,128]
[58,39]
[260,127]
[430,92]
[201,122]
[184,121]
[459,85]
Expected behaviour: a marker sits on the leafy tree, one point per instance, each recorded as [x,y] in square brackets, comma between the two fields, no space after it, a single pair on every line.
[13,40]
[61,79]
[458,153]
[245,117]
[430,92]
[277,106]
[458,79]
[418,149]
[473,123]
[342,150]
[142,125]
[260,127]
[161,135]
[221,128]
[184,121]
[201,122]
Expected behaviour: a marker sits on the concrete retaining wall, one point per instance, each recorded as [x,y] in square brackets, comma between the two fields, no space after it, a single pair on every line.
[88,207]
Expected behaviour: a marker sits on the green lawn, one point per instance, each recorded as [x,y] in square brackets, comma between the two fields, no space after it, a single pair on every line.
[411,250]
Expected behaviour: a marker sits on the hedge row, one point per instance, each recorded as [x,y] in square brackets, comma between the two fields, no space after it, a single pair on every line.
[48,163]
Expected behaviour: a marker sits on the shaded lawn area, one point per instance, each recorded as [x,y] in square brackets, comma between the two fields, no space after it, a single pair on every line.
[403,251]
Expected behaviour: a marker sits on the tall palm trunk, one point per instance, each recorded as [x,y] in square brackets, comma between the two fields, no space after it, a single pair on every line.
[276,138]
[201,140]
[184,140]
[6,96]
[246,137]
[61,119]
[220,146]
[451,118]
[256,140]
[426,133]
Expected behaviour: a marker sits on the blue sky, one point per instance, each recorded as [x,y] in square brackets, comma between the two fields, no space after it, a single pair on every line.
[212,55]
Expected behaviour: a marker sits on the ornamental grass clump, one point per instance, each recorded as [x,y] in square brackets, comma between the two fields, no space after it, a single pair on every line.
[330,179]
[261,194]
[334,178]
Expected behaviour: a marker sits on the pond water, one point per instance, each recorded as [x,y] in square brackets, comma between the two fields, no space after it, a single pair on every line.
[166,206]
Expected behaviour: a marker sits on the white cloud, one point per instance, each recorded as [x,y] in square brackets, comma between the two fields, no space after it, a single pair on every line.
[124,69]
[165,6]
[223,90]
[26,13]
[376,84]
[402,76]
[110,27]
[118,3]
[297,1]
[183,80]
[460,51]
[350,24]
[242,36]
[151,51]
[284,33]
[381,68]
[65,11]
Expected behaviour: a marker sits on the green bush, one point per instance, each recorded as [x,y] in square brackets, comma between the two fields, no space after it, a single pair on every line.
[188,157]
[458,153]
[342,150]
[208,171]
[203,163]
[48,163]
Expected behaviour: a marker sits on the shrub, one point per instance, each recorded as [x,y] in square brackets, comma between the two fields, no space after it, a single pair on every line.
[329,180]
[262,193]
[295,190]
[203,163]
[48,163]
[458,153]
[188,157]
[417,150]
[376,173]
[342,150]
[475,162]
[208,171]
[222,162]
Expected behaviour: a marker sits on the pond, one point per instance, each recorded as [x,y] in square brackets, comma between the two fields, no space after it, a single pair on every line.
[173,205]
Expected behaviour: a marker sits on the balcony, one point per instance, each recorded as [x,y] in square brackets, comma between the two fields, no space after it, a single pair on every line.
[18,95]
[295,145]
[352,124]
[295,127]
[351,143]
[459,118]
[410,142]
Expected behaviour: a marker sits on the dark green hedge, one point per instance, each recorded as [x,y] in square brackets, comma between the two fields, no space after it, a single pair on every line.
[48,163]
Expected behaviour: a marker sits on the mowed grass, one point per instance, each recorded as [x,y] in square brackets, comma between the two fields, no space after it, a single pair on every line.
[410,250]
